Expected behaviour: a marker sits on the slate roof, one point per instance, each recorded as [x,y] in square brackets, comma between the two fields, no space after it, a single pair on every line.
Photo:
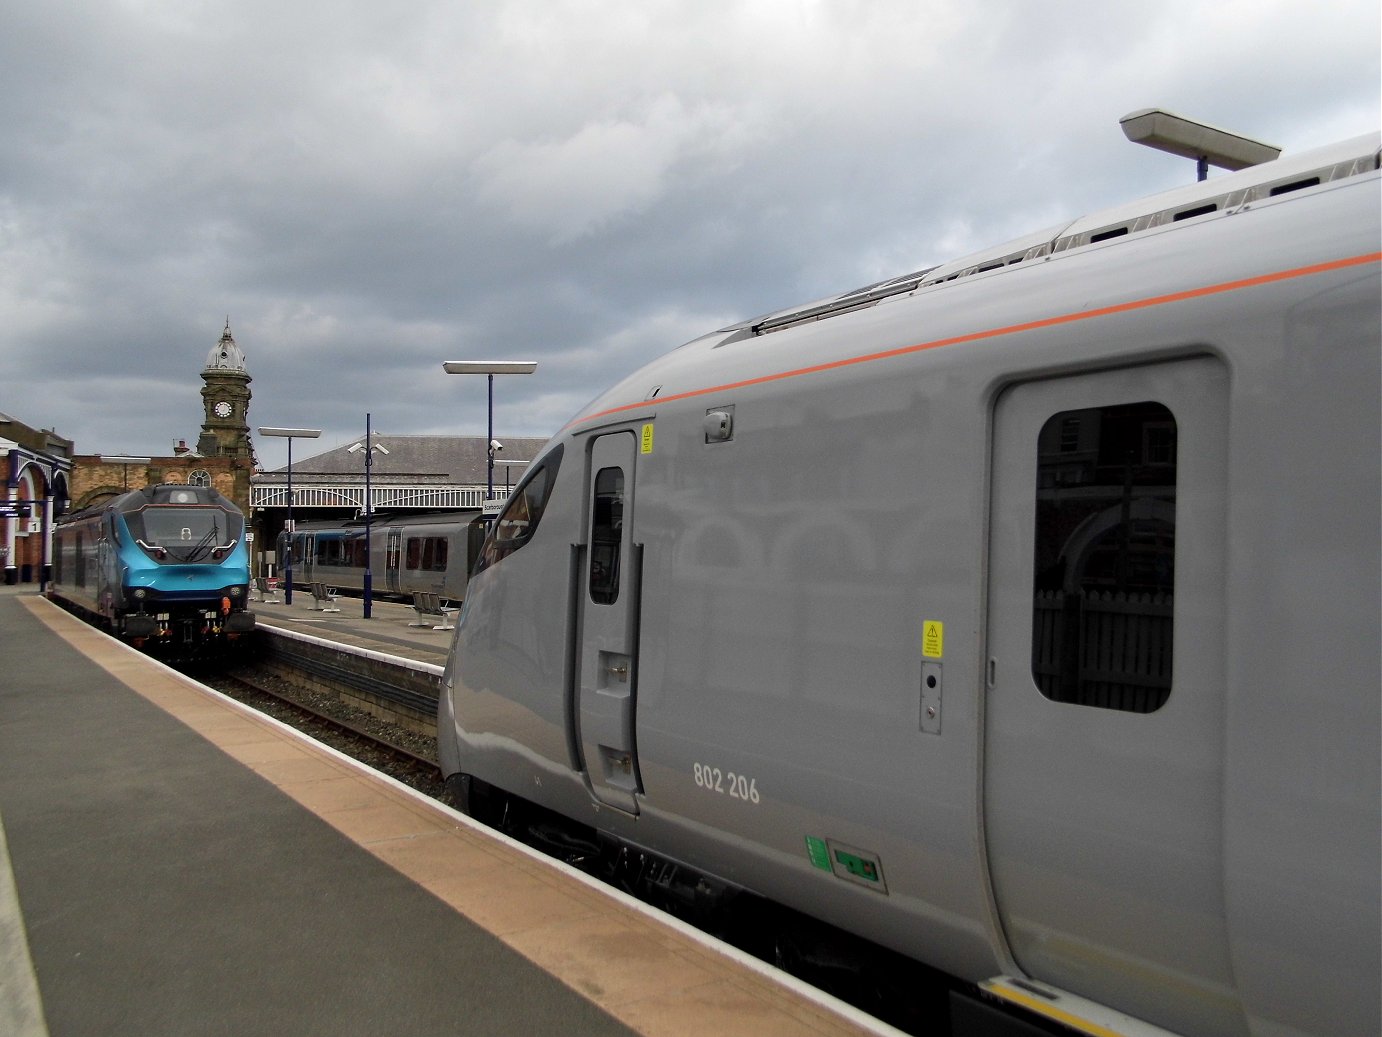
[44,441]
[458,460]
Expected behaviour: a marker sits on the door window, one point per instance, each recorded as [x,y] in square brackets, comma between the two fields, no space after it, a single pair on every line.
[606,536]
[1105,557]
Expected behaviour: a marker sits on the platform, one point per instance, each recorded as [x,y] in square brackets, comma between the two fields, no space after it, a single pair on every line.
[389,630]
[182,865]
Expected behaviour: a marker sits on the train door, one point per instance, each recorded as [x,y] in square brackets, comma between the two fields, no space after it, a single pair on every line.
[608,582]
[107,575]
[393,550]
[307,564]
[1104,732]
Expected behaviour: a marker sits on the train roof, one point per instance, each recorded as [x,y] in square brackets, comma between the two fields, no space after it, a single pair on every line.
[685,371]
[1333,162]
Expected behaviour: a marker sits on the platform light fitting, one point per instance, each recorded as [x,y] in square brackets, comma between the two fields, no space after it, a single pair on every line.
[1207,145]
[490,368]
[290,433]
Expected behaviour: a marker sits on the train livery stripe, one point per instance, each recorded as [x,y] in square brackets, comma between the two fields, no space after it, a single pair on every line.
[989,333]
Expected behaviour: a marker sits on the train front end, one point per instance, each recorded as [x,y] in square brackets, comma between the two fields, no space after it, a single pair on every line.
[183,568]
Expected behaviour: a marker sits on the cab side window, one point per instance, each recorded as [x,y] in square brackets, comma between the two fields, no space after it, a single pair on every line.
[519,520]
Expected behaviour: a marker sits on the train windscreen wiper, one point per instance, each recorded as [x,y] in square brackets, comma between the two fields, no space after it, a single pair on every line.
[202,546]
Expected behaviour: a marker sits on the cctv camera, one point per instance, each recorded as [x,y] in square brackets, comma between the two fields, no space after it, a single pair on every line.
[494,444]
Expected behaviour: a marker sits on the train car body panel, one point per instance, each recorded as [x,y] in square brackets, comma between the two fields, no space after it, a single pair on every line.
[428,552]
[1025,623]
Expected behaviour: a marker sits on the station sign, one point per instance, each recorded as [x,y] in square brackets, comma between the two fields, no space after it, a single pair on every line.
[14,511]
[491,508]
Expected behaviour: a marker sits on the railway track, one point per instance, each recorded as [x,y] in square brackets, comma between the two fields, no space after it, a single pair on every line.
[352,731]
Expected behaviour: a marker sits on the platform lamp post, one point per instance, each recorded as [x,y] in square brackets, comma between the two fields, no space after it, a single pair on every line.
[1207,145]
[369,447]
[290,434]
[490,368]
[124,460]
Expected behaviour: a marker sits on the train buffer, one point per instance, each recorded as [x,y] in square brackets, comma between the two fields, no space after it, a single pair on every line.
[324,598]
[429,606]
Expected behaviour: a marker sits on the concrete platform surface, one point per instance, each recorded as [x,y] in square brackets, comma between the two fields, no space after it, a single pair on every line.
[390,630]
[172,863]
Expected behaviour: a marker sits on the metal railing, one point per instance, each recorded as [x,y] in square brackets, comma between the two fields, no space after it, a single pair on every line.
[383,498]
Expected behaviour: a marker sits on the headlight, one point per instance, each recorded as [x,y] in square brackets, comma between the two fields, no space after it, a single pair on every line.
[235,592]
[140,593]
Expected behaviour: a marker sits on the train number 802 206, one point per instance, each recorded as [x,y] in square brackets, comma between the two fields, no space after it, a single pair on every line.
[736,786]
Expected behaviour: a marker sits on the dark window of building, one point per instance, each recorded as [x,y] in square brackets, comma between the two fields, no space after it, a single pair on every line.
[1105,557]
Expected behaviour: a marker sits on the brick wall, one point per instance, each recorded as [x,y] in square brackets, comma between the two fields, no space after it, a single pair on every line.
[94,478]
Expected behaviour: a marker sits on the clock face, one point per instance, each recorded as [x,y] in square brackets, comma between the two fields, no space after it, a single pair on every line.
[222,409]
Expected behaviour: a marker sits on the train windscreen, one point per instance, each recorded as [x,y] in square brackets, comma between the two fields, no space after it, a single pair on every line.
[186,534]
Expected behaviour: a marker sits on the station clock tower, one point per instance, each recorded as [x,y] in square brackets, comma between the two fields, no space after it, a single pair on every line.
[225,401]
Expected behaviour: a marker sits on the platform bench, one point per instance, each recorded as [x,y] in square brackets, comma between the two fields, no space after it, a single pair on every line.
[429,606]
[324,598]
[267,594]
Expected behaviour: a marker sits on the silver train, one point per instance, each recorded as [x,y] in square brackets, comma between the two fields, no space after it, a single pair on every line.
[1020,615]
[425,552]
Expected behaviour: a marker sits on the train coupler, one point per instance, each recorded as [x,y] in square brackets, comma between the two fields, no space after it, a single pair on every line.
[140,625]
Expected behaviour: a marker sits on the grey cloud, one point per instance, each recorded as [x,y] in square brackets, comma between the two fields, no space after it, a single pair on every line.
[367,191]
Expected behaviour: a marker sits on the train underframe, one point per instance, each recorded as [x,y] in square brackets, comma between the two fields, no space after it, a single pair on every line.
[183,627]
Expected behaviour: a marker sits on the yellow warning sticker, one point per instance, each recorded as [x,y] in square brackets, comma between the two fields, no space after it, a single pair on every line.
[932,638]
[645,445]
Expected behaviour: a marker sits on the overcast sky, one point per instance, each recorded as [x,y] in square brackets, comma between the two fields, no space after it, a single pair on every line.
[368,189]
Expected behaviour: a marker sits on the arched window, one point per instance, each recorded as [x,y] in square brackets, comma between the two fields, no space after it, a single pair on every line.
[30,490]
[199,477]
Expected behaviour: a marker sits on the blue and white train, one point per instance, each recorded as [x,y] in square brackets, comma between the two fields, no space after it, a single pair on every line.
[163,566]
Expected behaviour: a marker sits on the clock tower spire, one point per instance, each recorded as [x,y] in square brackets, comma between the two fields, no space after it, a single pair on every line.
[225,401]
